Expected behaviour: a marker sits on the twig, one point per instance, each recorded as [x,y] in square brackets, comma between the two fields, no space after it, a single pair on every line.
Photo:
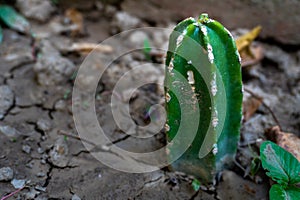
[12,194]
[239,165]
[265,105]
[61,132]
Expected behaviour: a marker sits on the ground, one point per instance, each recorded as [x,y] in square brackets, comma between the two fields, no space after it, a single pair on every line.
[36,118]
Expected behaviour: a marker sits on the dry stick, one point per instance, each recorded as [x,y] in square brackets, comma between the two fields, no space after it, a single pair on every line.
[12,194]
[61,132]
[265,105]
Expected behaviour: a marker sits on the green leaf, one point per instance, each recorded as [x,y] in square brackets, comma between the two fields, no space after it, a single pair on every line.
[281,165]
[255,166]
[277,192]
[196,184]
[13,19]
[292,192]
[147,49]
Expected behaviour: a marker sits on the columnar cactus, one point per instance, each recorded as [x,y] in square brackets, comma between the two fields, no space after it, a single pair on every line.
[204,53]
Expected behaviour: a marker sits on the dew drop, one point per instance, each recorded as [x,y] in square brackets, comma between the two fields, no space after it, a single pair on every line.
[189,62]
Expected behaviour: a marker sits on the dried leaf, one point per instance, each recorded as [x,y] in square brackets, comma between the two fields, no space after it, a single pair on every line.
[250,106]
[13,19]
[288,141]
[257,54]
[76,20]
[250,53]
[245,40]
[85,48]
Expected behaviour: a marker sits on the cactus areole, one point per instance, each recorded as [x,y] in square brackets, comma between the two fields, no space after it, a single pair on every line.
[204,53]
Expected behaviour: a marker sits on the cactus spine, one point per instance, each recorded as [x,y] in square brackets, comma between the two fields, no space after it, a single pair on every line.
[204,52]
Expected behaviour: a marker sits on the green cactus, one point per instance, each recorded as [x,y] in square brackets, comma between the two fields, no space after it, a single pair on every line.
[205,54]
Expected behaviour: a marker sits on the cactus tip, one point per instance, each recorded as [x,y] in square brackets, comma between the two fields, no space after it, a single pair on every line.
[203,18]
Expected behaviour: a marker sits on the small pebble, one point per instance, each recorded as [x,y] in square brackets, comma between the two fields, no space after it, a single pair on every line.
[6,100]
[40,174]
[9,131]
[40,150]
[43,125]
[26,149]
[40,188]
[60,105]
[76,197]
[32,194]
[29,165]
[18,183]
[6,174]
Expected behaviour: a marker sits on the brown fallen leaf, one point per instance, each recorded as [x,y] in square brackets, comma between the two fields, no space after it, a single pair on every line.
[244,41]
[250,106]
[76,20]
[251,53]
[256,51]
[288,141]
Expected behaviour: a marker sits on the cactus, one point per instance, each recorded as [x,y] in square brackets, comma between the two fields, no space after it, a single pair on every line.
[204,53]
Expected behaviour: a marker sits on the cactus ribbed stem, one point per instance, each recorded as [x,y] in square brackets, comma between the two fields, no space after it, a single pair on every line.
[204,52]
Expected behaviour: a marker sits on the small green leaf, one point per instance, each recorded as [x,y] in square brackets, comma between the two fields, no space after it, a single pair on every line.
[196,184]
[13,19]
[281,165]
[255,166]
[67,93]
[277,192]
[147,49]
